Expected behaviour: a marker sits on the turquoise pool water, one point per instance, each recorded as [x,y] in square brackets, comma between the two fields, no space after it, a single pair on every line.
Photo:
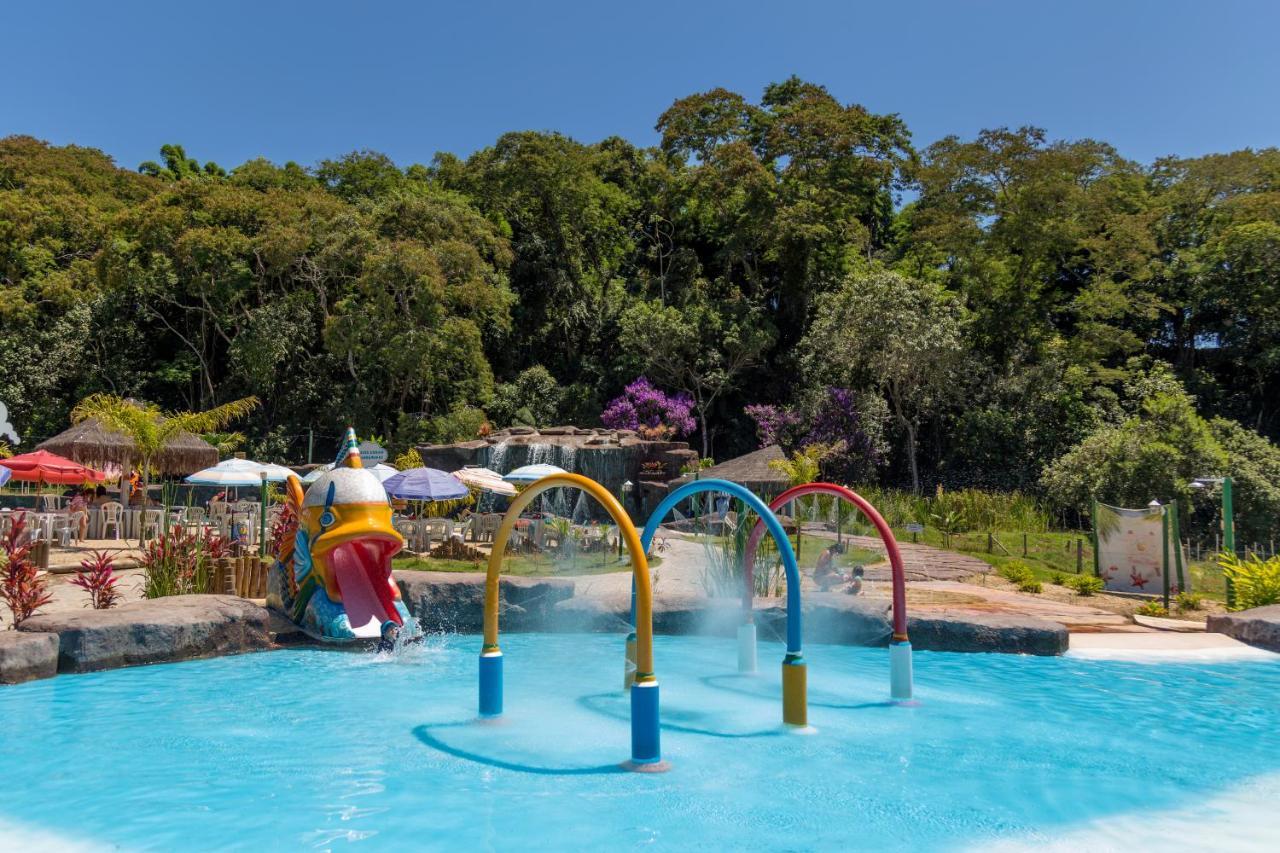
[311,749]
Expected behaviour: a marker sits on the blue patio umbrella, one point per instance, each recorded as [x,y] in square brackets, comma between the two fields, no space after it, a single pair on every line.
[425,484]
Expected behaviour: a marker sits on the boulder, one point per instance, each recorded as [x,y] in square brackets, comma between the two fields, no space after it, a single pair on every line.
[26,656]
[850,620]
[696,614]
[586,615]
[158,630]
[986,632]
[454,601]
[1258,627]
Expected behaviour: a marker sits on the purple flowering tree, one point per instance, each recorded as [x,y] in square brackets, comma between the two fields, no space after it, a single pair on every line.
[838,423]
[774,424]
[650,411]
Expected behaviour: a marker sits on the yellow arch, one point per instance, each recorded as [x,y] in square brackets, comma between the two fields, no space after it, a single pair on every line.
[639,564]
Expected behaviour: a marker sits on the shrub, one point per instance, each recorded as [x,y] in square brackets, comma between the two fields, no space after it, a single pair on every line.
[1086,584]
[22,587]
[1257,581]
[1017,572]
[1189,601]
[1153,608]
[1058,579]
[97,576]
[1030,586]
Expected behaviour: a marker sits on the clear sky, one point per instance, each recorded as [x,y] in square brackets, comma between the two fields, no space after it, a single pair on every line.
[315,79]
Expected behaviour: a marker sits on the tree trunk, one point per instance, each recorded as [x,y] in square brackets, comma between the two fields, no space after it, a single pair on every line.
[911,456]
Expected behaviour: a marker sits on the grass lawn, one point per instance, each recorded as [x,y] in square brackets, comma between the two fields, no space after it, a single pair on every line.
[811,547]
[527,565]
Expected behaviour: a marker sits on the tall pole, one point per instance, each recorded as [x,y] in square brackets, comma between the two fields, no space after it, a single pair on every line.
[1228,536]
[1164,560]
[262,517]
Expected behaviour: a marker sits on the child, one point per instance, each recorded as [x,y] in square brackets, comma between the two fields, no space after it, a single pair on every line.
[390,633]
[855,581]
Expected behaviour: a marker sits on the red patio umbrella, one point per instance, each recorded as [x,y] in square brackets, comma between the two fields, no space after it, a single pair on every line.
[41,466]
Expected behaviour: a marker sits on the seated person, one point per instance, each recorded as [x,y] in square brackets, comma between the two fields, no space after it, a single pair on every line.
[827,574]
[100,496]
[79,510]
[855,581]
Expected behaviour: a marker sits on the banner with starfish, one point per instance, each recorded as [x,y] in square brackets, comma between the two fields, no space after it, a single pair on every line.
[1131,549]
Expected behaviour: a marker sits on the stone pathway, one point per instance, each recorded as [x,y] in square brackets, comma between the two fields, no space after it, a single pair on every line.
[920,562]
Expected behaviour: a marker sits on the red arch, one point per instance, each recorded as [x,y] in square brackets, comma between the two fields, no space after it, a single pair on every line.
[890,545]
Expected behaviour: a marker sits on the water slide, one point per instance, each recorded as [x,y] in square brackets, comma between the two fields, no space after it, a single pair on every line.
[362,570]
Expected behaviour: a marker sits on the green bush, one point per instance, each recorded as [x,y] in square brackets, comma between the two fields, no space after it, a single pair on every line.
[1188,601]
[1017,572]
[1257,581]
[960,511]
[1030,586]
[1058,579]
[1153,608]
[1086,584]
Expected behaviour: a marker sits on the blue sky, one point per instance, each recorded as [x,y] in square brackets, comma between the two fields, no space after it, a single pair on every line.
[309,80]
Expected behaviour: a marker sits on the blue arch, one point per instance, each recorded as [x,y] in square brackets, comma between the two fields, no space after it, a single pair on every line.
[771,523]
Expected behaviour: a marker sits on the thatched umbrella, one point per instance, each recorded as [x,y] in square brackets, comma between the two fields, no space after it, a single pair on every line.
[89,443]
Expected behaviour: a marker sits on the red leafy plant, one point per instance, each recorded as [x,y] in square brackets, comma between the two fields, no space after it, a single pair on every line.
[22,587]
[97,576]
[181,562]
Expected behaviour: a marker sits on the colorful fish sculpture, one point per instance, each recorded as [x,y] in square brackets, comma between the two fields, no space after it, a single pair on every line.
[332,572]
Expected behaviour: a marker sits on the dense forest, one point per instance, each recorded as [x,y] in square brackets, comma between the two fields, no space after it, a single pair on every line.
[1010,311]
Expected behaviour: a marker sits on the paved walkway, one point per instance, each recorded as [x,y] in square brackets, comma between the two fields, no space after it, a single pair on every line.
[68,559]
[1078,617]
[1163,646]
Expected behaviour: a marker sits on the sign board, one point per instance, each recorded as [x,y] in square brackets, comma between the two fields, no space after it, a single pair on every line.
[371,453]
[913,527]
[1131,549]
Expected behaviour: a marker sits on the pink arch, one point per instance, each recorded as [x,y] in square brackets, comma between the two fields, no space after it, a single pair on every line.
[890,545]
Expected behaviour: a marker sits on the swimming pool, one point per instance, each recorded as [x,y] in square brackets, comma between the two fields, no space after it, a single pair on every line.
[304,749]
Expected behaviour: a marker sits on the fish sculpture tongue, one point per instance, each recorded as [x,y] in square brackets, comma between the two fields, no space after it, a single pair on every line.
[360,569]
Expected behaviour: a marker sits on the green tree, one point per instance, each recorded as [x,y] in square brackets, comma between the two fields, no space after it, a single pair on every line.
[1155,453]
[702,348]
[899,336]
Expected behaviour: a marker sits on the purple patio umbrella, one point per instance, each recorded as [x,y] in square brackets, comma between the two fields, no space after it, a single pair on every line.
[425,484]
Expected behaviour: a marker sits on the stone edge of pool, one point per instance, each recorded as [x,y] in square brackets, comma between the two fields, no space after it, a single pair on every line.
[197,626]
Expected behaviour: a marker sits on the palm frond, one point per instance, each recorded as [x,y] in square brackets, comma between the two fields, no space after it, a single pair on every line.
[211,420]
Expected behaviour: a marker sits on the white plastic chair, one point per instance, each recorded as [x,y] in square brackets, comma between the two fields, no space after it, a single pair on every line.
[67,527]
[112,511]
[152,520]
[409,530]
